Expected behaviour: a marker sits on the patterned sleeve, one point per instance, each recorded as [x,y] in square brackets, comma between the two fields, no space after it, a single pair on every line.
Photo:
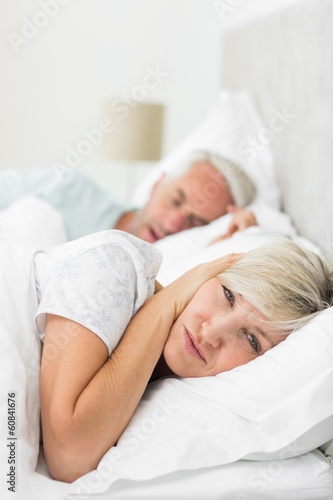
[101,286]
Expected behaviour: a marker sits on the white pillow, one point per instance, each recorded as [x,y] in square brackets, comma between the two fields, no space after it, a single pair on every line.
[327,449]
[280,405]
[181,253]
[184,250]
[225,131]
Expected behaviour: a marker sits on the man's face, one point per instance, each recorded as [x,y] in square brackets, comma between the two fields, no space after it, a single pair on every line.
[196,198]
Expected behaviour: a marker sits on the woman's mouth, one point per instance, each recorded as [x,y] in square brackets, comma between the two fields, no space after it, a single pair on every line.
[191,346]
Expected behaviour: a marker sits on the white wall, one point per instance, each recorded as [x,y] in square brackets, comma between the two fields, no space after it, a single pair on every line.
[233,12]
[55,77]
[54,83]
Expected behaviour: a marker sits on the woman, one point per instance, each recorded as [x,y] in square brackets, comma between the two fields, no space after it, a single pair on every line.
[97,361]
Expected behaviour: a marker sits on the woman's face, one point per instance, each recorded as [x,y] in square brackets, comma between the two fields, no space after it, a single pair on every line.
[217,332]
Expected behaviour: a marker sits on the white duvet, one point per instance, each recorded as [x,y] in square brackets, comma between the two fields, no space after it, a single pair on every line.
[32,222]
[308,476]
[19,374]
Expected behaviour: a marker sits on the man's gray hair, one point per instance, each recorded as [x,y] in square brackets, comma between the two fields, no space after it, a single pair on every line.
[241,186]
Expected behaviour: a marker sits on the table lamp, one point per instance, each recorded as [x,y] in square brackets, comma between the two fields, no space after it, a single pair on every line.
[136,136]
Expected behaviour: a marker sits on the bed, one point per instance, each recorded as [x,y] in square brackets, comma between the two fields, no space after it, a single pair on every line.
[174,456]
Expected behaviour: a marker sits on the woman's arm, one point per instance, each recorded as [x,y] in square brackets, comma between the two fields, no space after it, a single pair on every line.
[87,399]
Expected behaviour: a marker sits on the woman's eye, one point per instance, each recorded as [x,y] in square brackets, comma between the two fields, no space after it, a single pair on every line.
[253,342]
[229,295]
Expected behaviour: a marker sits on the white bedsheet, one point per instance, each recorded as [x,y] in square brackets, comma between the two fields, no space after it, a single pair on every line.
[308,477]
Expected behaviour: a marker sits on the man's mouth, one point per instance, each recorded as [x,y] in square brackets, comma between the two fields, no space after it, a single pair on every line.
[154,235]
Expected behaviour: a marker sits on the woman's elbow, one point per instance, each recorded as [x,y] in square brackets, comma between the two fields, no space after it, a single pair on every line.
[67,464]
[66,456]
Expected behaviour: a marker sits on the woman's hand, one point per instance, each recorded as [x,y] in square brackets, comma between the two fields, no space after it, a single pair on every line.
[179,293]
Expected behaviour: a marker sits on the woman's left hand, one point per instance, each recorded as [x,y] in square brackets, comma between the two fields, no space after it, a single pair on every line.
[180,292]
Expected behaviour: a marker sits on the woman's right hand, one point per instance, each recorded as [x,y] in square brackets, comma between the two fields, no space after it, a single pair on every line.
[180,292]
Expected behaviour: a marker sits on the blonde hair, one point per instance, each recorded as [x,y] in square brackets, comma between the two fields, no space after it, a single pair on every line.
[288,284]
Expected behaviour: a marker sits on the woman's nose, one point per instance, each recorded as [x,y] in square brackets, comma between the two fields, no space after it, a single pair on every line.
[217,331]
[211,334]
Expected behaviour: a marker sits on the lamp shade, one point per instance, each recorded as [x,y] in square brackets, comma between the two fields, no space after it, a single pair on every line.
[137,133]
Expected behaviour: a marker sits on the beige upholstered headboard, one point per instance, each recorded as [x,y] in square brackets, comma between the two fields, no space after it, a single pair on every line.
[286,62]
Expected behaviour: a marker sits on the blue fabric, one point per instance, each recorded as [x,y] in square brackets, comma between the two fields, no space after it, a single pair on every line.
[83,205]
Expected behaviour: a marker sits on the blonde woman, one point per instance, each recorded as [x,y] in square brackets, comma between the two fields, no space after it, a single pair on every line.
[107,334]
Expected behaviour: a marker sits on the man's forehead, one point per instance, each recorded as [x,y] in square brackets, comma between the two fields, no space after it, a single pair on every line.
[201,168]
[198,174]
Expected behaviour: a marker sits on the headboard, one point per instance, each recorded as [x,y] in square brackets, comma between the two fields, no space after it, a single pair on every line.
[286,62]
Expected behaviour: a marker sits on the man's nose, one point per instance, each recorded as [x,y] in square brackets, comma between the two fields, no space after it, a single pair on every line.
[176,220]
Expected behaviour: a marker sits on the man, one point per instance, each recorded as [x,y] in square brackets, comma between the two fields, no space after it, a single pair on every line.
[197,193]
